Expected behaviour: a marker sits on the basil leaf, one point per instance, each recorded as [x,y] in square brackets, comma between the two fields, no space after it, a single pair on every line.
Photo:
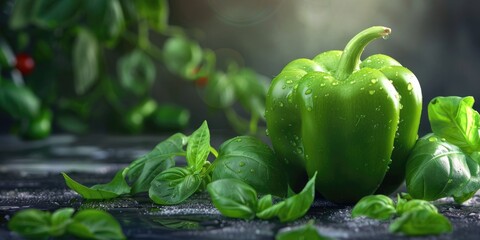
[7,59]
[437,169]
[21,14]
[182,56]
[137,72]
[462,198]
[174,186]
[105,18]
[233,198]
[155,12]
[85,60]
[198,147]
[52,14]
[252,161]
[414,205]
[305,232]
[18,101]
[264,203]
[250,90]
[219,92]
[143,170]
[113,189]
[374,206]
[476,156]
[118,184]
[31,223]
[293,207]
[95,224]
[421,222]
[60,219]
[454,119]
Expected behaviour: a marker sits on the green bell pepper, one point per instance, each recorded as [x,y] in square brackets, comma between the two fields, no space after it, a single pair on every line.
[353,121]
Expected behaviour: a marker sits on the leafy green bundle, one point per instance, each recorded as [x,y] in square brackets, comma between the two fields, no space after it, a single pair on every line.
[244,158]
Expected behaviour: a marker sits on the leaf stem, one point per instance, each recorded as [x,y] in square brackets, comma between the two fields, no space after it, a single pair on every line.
[214,151]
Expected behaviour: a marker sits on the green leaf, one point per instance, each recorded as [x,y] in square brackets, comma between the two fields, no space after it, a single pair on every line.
[7,59]
[169,118]
[219,92]
[85,60]
[264,203]
[252,161]
[420,223]
[18,101]
[233,198]
[454,119]
[37,127]
[31,223]
[61,218]
[174,186]
[476,156]
[95,224]
[155,12]
[293,207]
[143,170]
[463,198]
[21,14]
[250,90]
[414,205]
[52,14]
[105,18]
[71,123]
[437,169]
[374,206]
[198,147]
[307,231]
[136,71]
[113,189]
[118,184]
[182,56]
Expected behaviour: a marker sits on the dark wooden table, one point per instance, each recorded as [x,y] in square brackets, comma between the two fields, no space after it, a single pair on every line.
[29,178]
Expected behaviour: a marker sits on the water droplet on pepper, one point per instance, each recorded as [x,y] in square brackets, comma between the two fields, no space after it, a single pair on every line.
[409,87]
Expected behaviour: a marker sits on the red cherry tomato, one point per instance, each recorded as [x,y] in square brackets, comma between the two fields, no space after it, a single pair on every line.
[24,63]
[201,81]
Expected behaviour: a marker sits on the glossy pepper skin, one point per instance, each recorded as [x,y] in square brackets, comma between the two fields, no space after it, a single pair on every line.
[353,121]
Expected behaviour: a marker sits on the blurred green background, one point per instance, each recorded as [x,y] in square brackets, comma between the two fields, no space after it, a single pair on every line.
[142,67]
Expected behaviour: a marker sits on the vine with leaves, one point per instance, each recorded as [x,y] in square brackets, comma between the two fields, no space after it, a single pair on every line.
[103,48]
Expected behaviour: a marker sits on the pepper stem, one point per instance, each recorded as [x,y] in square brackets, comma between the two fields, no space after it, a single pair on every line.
[350,59]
